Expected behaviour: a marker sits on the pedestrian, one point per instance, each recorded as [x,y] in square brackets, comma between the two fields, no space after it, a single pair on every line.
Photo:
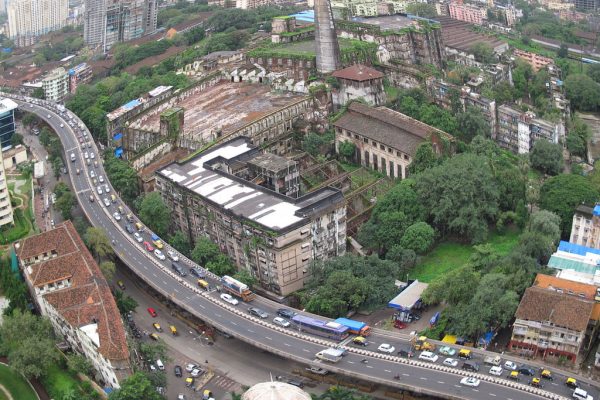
[205,361]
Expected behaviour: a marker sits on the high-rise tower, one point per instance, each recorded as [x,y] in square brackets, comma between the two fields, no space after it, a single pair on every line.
[328,49]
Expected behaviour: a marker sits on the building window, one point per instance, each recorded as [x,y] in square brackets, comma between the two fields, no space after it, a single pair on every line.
[391,169]
[367,160]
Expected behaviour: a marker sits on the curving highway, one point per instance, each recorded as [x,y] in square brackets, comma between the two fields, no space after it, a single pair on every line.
[428,378]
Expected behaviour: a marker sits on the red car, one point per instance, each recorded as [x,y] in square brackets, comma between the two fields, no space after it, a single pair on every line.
[152,312]
[148,246]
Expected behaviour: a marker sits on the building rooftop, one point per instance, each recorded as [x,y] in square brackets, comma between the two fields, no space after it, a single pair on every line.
[386,126]
[358,72]
[88,300]
[275,391]
[271,162]
[252,202]
[218,110]
[7,105]
[559,309]
[55,74]
[560,285]
[459,35]
[386,22]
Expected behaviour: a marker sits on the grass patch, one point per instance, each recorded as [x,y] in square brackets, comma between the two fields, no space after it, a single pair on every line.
[15,384]
[449,255]
[58,381]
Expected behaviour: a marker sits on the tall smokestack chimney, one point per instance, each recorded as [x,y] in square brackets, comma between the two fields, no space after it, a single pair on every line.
[328,49]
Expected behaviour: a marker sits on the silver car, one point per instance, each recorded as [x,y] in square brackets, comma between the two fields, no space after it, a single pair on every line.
[100,190]
[106,202]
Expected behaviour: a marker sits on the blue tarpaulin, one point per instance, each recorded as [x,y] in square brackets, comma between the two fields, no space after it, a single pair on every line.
[308,16]
[131,105]
[118,152]
[573,248]
[117,136]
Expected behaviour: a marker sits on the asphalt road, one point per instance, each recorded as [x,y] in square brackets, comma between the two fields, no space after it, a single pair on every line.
[428,380]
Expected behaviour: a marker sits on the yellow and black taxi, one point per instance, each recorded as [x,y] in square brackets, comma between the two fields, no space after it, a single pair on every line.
[153,336]
[156,326]
[514,375]
[546,374]
[536,382]
[361,341]
[572,383]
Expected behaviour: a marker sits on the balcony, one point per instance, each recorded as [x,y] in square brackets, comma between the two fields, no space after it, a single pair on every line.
[520,330]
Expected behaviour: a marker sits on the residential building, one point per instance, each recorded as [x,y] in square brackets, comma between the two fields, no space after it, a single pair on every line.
[585,230]
[69,288]
[358,82]
[7,122]
[550,323]
[580,262]
[29,19]
[107,23]
[79,75]
[56,85]
[234,194]
[384,140]
[518,131]
[587,5]
[14,156]
[6,211]
[467,12]
[536,61]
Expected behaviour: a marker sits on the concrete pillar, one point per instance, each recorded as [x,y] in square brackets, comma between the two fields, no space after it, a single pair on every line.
[328,49]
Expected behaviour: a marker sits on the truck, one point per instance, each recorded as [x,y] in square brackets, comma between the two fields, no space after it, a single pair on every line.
[421,343]
[355,327]
[492,360]
[331,355]
[237,288]
[317,371]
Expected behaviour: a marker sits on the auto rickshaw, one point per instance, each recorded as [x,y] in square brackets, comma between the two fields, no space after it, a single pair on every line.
[572,383]
[359,340]
[157,327]
[535,382]
[547,375]
[153,336]
[207,395]
[173,330]
[514,375]
[189,381]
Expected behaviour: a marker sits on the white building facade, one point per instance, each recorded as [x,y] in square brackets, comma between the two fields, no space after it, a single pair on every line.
[29,19]
[6,212]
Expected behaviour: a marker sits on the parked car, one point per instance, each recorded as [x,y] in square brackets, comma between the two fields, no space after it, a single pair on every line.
[196,372]
[152,312]
[447,351]
[138,237]
[197,272]
[178,371]
[428,356]
[281,322]
[190,367]
[496,370]
[148,246]
[229,299]
[129,228]
[451,362]
[121,285]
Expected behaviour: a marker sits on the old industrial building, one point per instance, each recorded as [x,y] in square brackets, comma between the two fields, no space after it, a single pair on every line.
[236,195]
[358,82]
[68,288]
[384,140]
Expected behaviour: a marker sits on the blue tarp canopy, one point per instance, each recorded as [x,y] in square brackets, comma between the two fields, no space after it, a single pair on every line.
[354,325]
[576,248]
[308,16]
[118,152]
[117,136]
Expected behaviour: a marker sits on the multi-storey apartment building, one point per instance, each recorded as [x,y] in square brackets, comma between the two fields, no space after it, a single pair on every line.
[585,230]
[29,19]
[518,131]
[7,122]
[68,287]
[56,85]
[6,212]
[234,194]
[110,22]
[385,140]
[553,318]
[467,12]
[536,61]
[79,75]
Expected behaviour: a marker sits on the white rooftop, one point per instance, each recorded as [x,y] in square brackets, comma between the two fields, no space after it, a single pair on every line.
[7,105]
[91,331]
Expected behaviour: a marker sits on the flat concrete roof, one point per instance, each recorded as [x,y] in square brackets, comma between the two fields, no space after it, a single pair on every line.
[222,108]
[386,22]
[240,197]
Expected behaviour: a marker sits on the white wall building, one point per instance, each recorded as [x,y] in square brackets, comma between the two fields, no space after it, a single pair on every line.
[6,212]
[29,19]
[56,85]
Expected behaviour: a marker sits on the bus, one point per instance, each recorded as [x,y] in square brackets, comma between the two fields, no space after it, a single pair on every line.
[355,327]
[331,330]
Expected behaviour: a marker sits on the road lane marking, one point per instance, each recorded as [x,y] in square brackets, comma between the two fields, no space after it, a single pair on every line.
[423,378]
[234,323]
[288,345]
[406,374]
[369,366]
[387,370]
[268,338]
[457,386]
[492,394]
[476,390]
[251,331]
[442,382]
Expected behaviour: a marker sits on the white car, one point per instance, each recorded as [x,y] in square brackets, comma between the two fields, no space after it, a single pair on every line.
[100,190]
[107,188]
[101,178]
[496,370]
[106,202]
[229,298]
[470,381]
[581,394]
[190,367]
[92,174]
[62,125]
[172,255]
[195,372]
[386,348]
[511,366]
[281,322]
[138,237]
[451,362]
[159,254]
[117,216]
[428,356]
[92,156]
[86,155]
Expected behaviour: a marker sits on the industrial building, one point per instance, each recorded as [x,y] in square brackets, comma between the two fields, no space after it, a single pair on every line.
[107,23]
[69,288]
[235,194]
[29,19]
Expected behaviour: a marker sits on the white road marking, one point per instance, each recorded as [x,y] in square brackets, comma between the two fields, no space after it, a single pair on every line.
[423,378]
[369,366]
[406,374]
[351,362]
[492,394]
[457,386]
[442,382]
[233,323]
[268,338]
[288,345]
[387,370]
[476,390]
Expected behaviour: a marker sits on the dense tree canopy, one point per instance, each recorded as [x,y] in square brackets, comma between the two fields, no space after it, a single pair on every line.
[471,124]
[583,92]
[123,178]
[547,157]
[136,387]
[155,214]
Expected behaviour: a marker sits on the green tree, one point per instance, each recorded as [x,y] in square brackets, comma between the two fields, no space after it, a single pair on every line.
[108,269]
[425,158]
[483,52]
[341,392]
[418,237]
[563,51]
[204,251]
[125,304]
[98,242]
[313,143]
[123,177]
[593,71]
[546,157]
[65,204]
[29,119]
[545,223]
[33,353]
[347,150]
[461,196]
[583,92]
[16,139]
[39,93]
[454,287]
[472,123]
[79,364]
[576,145]
[405,258]
[181,243]
[136,387]
[221,265]
[57,164]
[154,350]
[245,277]
[562,193]
[421,9]
[155,214]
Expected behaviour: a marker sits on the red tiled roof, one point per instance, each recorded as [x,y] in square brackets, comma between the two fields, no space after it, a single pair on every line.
[358,72]
[88,299]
